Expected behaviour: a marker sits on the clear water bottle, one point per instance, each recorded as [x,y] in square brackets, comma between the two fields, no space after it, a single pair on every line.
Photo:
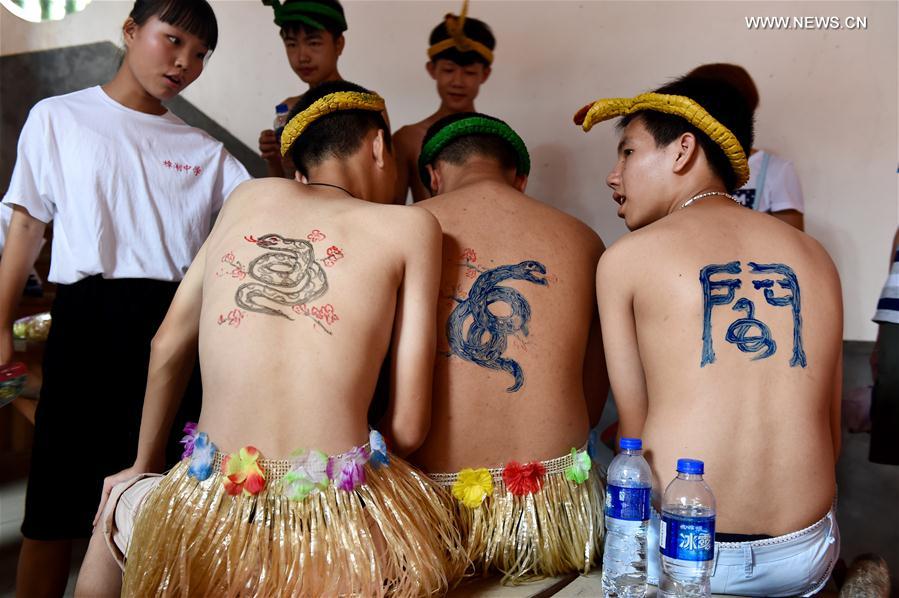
[281,111]
[687,533]
[627,520]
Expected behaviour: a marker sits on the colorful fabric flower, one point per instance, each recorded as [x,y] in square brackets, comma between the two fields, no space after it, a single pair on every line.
[523,479]
[473,486]
[242,472]
[308,474]
[190,431]
[579,470]
[348,470]
[202,455]
[378,446]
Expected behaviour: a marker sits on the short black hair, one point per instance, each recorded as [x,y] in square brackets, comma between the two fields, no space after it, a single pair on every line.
[724,102]
[332,26]
[732,74]
[474,29]
[193,16]
[335,135]
[460,150]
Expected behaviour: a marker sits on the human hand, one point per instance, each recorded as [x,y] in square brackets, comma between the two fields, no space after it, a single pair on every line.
[269,147]
[110,481]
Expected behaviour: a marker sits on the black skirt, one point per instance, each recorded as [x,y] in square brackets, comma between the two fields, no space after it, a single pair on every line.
[88,419]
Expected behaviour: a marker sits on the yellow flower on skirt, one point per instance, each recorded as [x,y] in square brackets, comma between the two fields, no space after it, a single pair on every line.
[242,472]
[473,486]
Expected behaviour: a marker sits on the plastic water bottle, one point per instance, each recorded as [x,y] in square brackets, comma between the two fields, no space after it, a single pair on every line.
[281,111]
[687,533]
[627,519]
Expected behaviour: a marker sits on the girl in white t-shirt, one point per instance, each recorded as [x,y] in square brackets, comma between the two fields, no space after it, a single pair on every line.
[132,192]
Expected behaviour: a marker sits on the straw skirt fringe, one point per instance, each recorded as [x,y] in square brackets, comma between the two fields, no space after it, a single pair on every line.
[393,535]
[555,531]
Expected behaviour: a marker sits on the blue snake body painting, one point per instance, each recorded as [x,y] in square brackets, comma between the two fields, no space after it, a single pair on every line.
[486,338]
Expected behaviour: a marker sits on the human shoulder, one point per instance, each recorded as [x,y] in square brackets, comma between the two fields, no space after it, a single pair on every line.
[778,168]
[627,254]
[53,106]
[417,220]
[816,252]
[575,227]
[409,138]
[775,161]
[251,189]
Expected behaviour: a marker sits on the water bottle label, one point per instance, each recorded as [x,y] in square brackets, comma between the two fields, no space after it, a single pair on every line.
[629,504]
[687,538]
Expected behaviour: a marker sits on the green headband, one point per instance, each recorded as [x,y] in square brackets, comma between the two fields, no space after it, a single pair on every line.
[307,13]
[472,125]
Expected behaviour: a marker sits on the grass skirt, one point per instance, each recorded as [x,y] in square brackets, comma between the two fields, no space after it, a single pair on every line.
[393,535]
[557,530]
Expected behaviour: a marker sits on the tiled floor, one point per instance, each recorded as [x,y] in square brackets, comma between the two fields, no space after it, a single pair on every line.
[868,513]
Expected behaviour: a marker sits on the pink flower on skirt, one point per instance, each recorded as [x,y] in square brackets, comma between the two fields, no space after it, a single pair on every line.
[348,470]
[190,437]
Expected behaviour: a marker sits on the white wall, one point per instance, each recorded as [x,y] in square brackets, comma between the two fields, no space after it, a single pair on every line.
[829,98]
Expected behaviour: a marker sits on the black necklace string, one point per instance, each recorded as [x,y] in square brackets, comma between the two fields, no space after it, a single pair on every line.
[330,185]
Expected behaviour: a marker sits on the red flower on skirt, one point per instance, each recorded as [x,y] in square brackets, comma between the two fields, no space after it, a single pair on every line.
[523,479]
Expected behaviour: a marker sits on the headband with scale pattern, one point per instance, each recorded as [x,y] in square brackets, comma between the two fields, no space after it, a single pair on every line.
[333,102]
[682,106]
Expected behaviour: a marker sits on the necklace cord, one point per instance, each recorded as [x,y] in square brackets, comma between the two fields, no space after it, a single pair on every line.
[709,194]
[334,186]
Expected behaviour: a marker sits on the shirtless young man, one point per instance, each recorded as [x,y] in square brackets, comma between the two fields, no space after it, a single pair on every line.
[294,299]
[713,352]
[312,32]
[519,377]
[459,60]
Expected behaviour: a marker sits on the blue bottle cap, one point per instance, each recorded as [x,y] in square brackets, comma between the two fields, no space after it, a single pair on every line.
[282,108]
[631,444]
[693,466]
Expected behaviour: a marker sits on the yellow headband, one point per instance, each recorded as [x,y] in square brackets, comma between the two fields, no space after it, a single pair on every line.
[455,27]
[333,102]
[682,106]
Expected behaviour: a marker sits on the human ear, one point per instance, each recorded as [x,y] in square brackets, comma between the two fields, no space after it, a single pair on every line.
[486,75]
[129,31]
[339,44]
[434,187]
[431,68]
[686,148]
[379,149]
[521,182]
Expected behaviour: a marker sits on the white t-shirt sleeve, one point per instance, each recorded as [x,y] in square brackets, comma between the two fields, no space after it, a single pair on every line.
[782,187]
[233,174]
[5,217]
[29,186]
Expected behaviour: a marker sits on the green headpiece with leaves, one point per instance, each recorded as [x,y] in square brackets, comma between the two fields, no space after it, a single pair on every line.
[312,14]
[476,124]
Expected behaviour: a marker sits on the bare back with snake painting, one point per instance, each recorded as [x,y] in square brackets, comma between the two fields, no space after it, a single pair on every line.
[301,287]
[519,372]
